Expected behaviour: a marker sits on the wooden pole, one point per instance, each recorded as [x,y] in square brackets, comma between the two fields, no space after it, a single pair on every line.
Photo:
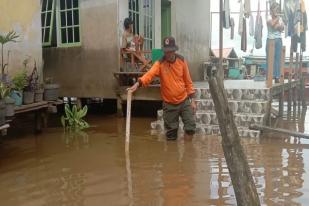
[303,82]
[270,62]
[243,183]
[128,120]
[279,130]
[290,80]
[281,96]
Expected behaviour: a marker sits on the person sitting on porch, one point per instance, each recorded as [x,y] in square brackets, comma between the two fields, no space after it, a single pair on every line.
[275,27]
[133,43]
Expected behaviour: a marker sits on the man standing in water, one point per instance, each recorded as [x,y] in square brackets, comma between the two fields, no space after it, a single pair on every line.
[177,90]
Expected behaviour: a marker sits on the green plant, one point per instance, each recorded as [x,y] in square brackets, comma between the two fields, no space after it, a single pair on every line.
[20,80]
[73,118]
[4,39]
[4,90]
[32,80]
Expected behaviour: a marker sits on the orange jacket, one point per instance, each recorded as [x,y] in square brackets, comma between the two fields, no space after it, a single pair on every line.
[176,83]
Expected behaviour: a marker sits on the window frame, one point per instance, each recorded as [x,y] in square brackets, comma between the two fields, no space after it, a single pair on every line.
[143,15]
[59,27]
[51,27]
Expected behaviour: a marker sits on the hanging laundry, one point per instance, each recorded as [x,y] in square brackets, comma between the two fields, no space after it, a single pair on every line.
[304,26]
[226,14]
[244,36]
[247,10]
[258,29]
[251,25]
[232,27]
[241,18]
[295,19]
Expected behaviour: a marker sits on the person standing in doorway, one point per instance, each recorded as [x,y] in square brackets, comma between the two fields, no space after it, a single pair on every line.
[275,27]
[177,90]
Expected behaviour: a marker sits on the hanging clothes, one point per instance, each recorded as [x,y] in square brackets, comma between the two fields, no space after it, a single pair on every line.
[226,14]
[258,33]
[244,36]
[232,27]
[251,25]
[247,8]
[295,19]
[241,18]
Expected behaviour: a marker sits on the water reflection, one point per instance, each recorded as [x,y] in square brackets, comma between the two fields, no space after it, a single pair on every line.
[76,139]
[92,168]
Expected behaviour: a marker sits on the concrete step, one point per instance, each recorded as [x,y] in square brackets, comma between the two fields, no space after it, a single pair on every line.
[237,106]
[237,94]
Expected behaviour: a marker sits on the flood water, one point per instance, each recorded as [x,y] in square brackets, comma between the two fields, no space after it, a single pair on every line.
[91,169]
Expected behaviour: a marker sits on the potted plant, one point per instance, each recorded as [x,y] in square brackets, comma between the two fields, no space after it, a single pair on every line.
[32,85]
[19,82]
[4,92]
[4,39]
[51,90]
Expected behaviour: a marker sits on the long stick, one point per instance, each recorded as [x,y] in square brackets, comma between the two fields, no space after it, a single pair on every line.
[128,120]
[279,130]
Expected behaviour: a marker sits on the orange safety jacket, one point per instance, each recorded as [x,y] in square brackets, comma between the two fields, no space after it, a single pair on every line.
[175,79]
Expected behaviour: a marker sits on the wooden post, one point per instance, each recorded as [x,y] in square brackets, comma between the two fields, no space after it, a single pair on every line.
[282,65]
[270,62]
[281,102]
[303,82]
[281,96]
[290,81]
[243,184]
[128,120]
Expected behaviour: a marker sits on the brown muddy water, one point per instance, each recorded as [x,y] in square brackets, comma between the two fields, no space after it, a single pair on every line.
[91,169]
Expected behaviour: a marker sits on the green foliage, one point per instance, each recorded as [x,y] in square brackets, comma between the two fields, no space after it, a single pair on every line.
[9,37]
[4,90]
[20,80]
[73,118]
[4,39]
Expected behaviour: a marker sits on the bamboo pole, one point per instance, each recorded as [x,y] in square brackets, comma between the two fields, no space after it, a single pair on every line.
[128,120]
[279,130]
[242,180]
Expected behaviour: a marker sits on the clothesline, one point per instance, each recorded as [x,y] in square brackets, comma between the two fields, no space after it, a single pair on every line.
[237,12]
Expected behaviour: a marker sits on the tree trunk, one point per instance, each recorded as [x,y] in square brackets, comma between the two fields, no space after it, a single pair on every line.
[243,184]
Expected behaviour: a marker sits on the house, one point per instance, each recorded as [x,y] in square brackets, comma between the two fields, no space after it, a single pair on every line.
[77,42]
[24,17]
[231,62]
[81,38]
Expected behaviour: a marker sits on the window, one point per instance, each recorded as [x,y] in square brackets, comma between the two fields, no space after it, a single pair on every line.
[134,14]
[148,23]
[142,12]
[47,16]
[65,31]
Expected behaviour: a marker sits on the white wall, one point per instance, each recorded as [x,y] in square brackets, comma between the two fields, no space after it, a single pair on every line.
[191,28]
[157,24]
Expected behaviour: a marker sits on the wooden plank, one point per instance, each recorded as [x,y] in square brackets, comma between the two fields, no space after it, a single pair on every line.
[270,63]
[31,107]
[279,130]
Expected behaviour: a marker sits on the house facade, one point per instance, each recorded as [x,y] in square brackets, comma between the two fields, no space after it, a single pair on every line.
[81,38]
[23,17]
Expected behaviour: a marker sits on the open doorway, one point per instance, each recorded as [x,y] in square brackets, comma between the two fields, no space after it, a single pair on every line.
[165,18]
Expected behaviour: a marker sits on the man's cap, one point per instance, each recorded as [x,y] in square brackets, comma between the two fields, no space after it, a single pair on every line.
[169,44]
